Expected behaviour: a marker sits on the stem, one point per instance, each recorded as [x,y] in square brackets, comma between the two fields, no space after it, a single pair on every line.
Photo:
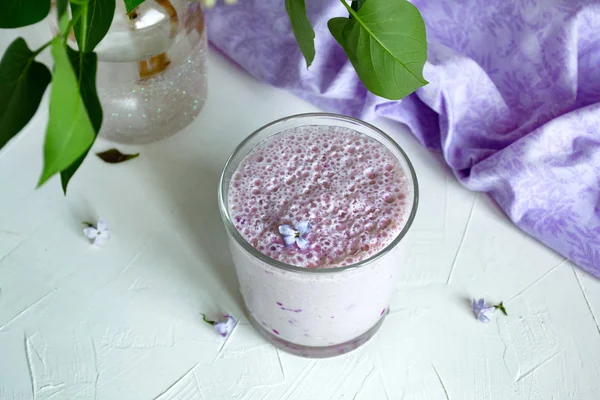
[350,10]
[72,22]
[38,51]
[207,320]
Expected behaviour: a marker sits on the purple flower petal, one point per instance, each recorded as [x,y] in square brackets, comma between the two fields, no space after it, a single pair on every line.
[90,232]
[303,227]
[221,328]
[224,328]
[483,318]
[102,225]
[287,230]
[101,239]
[289,240]
[481,303]
[302,243]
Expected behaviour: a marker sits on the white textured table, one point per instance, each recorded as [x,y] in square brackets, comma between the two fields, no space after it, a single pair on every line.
[122,321]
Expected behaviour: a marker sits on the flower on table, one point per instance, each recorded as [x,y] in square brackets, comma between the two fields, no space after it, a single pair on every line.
[98,234]
[223,328]
[481,310]
[296,235]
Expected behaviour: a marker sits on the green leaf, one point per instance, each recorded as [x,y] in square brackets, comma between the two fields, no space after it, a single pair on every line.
[95,18]
[84,66]
[70,133]
[385,41]
[131,4]
[22,84]
[305,35]
[18,13]
[114,156]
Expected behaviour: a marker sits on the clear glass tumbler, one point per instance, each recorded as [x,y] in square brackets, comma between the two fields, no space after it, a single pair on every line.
[341,308]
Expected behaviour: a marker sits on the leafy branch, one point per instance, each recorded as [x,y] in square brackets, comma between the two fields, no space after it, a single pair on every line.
[75,115]
[384,40]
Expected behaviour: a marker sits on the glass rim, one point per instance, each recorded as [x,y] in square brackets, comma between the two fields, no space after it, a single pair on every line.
[224,211]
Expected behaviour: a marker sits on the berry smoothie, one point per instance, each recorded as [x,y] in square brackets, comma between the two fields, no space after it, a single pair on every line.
[326,205]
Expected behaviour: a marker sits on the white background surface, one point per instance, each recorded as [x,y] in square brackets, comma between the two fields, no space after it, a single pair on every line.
[123,322]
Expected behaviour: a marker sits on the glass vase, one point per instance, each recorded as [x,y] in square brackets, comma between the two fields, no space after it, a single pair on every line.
[151,77]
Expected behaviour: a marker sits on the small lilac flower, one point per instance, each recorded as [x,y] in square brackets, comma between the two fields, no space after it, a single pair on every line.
[297,235]
[99,234]
[480,310]
[223,328]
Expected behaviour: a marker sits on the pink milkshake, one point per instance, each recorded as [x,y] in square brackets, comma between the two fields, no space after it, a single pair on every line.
[316,206]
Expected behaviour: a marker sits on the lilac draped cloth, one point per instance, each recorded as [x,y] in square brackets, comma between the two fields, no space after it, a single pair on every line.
[513,102]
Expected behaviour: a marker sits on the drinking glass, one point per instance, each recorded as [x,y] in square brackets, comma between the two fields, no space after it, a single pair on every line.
[316,312]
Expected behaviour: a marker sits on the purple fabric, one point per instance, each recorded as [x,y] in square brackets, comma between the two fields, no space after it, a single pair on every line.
[513,104]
